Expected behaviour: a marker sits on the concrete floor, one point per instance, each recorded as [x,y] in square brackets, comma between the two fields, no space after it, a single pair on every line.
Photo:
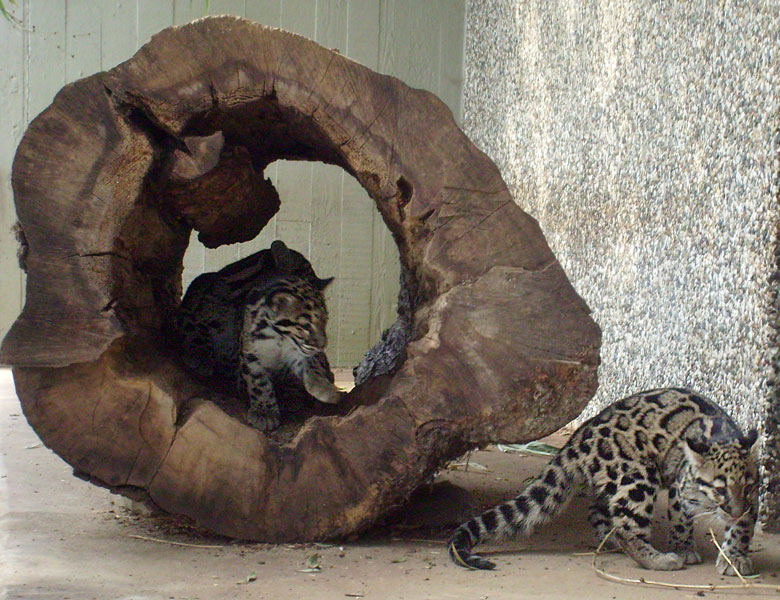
[61,538]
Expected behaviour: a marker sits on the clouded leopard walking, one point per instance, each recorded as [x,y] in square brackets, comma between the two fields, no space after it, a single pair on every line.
[256,322]
[283,332]
[668,438]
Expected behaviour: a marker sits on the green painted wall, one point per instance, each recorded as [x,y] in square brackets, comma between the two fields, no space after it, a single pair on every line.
[325,214]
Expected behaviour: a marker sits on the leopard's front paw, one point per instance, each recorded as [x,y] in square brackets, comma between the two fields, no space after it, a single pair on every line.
[329,394]
[689,555]
[261,421]
[335,396]
[743,564]
[322,389]
[668,561]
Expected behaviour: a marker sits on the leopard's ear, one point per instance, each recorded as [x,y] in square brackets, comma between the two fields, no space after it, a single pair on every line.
[694,452]
[288,261]
[280,254]
[749,440]
[321,284]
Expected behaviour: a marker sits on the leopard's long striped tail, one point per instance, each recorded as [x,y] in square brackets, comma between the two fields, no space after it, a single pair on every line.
[537,503]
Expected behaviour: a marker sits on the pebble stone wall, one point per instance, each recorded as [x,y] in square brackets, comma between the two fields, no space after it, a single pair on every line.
[643,137]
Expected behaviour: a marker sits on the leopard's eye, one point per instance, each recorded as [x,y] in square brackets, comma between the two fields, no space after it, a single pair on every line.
[719,485]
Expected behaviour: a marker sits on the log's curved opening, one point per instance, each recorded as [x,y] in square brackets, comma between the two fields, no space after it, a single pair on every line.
[226,152]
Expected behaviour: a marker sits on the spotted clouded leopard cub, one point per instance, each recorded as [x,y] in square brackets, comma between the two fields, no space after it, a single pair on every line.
[284,331]
[668,438]
[256,322]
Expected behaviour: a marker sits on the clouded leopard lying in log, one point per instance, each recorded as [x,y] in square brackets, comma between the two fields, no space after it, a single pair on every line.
[255,322]
[668,438]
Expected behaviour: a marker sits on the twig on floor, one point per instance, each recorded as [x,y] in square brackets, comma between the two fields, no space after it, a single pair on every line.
[533,448]
[612,551]
[417,541]
[745,585]
[465,464]
[172,543]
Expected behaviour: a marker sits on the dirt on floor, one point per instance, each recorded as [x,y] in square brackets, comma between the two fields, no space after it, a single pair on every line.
[62,538]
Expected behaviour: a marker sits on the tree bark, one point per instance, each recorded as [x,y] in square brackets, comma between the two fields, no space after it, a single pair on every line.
[109,180]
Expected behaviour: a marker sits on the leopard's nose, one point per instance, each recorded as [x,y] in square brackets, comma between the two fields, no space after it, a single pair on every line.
[319,339]
[737,508]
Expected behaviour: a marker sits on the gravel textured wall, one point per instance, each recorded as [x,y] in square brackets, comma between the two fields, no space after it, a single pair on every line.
[640,135]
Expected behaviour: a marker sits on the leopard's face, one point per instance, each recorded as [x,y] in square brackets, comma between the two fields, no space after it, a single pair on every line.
[300,314]
[726,479]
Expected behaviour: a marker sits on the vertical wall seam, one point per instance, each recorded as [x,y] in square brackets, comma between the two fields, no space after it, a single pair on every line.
[464,38]
[137,23]
[100,42]
[26,60]
[65,43]
[380,32]
[316,15]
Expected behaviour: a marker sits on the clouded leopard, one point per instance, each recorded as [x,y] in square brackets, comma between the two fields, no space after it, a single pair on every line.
[667,438]
[256,322]
[283,331]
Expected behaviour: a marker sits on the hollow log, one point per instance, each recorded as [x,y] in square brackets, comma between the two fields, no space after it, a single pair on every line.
[493,343]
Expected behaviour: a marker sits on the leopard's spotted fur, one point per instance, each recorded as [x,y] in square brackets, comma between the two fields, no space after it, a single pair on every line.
[257,322]
[283,331]
[667,438]
[208,321]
